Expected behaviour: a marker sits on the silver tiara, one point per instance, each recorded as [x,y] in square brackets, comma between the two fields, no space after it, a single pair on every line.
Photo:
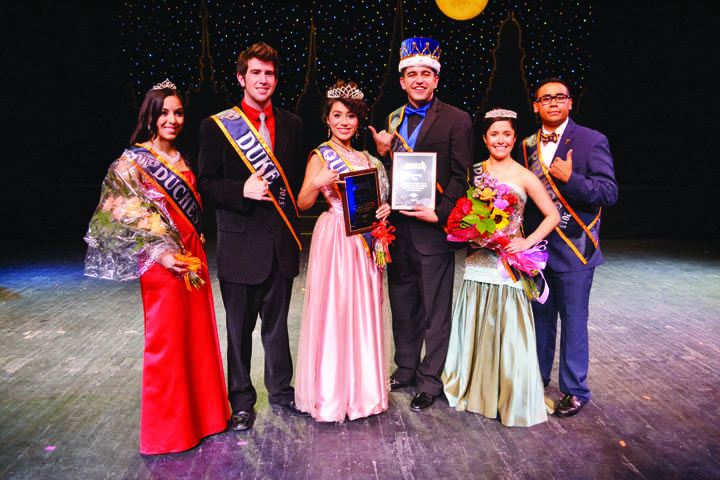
[345,91]
[166,84]
[500,112]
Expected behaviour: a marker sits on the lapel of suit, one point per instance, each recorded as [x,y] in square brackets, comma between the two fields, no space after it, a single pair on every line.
[281,136]
[431,117]
[566,140]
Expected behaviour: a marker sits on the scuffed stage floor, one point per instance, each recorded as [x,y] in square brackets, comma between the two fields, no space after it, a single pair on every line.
[71,360]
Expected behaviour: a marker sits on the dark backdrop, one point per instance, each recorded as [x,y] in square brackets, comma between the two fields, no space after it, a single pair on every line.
[69,108]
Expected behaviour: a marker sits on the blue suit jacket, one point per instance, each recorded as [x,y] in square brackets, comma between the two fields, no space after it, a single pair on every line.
[592,185]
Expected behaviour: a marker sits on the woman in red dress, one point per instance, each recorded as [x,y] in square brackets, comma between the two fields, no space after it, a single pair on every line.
[147,227]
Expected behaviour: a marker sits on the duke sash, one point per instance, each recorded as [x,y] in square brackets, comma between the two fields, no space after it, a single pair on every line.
[334,160]
[178,191]
[400,144]
[571,228]
[256,154]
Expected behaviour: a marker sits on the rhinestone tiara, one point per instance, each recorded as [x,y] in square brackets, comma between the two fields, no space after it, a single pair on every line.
[500,112]
[345,91]
[166,84]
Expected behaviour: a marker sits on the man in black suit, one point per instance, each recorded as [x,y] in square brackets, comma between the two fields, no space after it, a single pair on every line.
[250,163]
[420,277]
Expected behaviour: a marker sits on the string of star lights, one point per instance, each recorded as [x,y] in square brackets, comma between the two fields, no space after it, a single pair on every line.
[353,42]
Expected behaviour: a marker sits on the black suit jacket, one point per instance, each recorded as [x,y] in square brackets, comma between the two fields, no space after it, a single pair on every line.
[250,232]
[448,132]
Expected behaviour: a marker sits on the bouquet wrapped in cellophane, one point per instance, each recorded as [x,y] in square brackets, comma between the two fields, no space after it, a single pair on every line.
[485,216]
[131,228]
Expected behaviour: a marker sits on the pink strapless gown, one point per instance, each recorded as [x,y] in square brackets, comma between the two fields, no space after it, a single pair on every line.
[340,366]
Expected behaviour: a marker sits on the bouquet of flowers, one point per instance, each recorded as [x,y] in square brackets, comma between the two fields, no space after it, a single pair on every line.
[382,233]
[484,217]
[131,228]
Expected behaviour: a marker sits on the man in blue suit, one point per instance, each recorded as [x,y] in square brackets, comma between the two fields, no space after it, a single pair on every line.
[575,165]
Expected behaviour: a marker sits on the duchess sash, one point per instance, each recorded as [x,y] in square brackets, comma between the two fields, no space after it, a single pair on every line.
[400,144]
[256,154]
[178,191]
[571,228]
[334,160]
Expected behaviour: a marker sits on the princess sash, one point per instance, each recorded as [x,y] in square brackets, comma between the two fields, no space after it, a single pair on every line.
[256,154]
[179,193]
[571,228]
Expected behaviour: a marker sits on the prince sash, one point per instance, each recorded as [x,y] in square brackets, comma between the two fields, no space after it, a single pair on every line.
[256,154]
[334,160]
[177,190]
[582,239]
[400,144]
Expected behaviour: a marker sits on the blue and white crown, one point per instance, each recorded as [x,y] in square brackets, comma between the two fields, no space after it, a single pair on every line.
[419,52]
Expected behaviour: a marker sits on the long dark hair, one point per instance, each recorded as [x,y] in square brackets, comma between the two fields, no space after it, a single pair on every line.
[150,111]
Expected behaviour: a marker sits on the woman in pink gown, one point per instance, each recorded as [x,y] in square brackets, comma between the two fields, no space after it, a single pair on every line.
[139,230]
[341,370]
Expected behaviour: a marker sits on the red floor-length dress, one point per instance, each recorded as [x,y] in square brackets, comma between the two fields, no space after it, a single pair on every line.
[183,383]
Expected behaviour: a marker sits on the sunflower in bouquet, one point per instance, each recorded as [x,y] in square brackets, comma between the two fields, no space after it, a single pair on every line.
[483,217]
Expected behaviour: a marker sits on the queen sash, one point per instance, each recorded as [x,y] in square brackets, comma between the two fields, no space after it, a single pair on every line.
[334,160]
[399,143]
[582,239]
[178,192]
[256,154]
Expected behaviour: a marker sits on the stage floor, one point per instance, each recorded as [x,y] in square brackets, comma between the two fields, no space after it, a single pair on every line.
[71,360]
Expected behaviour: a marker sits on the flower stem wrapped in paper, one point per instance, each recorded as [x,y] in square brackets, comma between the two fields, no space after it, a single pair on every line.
[131,227]
[483,217]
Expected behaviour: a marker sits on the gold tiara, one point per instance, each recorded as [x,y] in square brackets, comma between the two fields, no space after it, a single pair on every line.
[345,91]
[166,84]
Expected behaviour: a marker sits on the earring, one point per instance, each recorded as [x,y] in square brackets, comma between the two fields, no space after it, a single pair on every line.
[329,132]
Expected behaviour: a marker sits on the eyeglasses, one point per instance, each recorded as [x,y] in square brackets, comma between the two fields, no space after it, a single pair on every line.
[547,99]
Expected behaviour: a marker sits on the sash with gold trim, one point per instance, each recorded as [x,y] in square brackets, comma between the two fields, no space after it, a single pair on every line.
[256,154]
[333,160]
[400,144]
[582,239]
[180,193]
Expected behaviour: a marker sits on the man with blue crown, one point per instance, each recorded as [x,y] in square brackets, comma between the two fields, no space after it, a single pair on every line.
[420,277]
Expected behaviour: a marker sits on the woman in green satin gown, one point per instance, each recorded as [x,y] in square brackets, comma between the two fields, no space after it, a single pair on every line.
[491,366]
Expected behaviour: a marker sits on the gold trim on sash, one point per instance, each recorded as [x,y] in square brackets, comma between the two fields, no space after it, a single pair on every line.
[165,194]
[395,134]
[335,185]
[548,177]
[270,154]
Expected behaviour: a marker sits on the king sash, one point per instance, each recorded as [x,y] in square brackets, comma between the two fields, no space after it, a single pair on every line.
[400,144]
[256,154]
[582,239]
[179,193]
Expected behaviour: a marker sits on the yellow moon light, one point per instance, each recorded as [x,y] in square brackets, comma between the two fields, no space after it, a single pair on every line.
[461,9]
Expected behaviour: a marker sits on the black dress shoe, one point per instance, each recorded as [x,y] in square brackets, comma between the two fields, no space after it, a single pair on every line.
[570,405]
[292,409]
[242,420]
[422,401]
[397,385]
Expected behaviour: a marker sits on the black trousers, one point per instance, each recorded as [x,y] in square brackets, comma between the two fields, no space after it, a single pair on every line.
[270,300]
[420,288]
